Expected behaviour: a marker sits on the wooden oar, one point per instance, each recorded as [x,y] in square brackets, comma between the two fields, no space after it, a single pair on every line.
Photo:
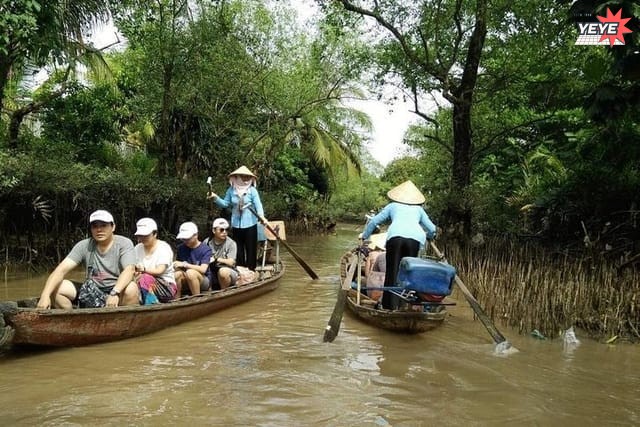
[293,253]
[498,338]
[332,329]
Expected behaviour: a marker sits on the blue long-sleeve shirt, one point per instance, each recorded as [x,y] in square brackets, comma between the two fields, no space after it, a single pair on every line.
[242,218]
[409,221]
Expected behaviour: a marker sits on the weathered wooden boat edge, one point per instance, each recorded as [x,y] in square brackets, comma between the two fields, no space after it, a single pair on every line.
[396,321]
[78,327]
[408,322]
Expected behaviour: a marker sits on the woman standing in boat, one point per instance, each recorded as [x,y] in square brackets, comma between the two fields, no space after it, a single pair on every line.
[241,195]
[154,264]
[406,233]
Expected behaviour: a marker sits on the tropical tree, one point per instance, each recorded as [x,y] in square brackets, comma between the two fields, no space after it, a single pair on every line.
[435,47]
[236,82]
[35,34]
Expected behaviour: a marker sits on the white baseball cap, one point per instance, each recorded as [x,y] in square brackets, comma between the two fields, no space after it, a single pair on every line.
[187,230]
[102,216]
[145,226]
[220,223]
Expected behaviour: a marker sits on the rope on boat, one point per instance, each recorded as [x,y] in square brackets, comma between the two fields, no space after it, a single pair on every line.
[8,307]
[6,331]
[6,336]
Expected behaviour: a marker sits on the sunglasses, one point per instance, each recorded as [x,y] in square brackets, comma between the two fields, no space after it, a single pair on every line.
[222,230]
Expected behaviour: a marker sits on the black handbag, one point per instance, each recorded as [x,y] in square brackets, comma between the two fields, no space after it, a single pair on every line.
[90,294]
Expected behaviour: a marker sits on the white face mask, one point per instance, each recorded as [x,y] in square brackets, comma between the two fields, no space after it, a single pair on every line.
[242,180]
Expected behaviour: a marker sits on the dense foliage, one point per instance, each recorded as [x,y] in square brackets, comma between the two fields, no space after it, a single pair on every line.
[523,132]
[554,149]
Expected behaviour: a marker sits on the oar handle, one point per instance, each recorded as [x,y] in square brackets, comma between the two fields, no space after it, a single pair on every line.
[262,220]
[293,253]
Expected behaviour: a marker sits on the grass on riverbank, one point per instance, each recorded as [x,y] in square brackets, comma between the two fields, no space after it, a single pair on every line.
[527,288]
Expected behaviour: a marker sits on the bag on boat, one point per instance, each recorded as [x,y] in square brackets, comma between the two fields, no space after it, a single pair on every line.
[245,275]
[91,295]
[426,276]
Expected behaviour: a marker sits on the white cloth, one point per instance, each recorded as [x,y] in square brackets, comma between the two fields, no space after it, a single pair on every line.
[161,255]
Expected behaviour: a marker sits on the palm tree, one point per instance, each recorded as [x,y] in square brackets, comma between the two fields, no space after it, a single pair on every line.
[323,129]
[52,33]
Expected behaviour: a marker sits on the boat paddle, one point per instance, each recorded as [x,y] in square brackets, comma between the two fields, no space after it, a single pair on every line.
[502,344]
[293,253]
[333,327]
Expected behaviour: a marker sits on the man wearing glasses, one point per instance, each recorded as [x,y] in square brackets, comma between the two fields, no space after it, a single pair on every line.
[223,259]
[110,263]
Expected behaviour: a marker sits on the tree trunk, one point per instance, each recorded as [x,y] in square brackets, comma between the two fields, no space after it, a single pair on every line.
[18,115]
[5,69]
[14,127]
[459,209]
[164,140]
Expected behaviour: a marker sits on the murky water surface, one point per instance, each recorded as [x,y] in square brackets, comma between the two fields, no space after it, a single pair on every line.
[263,363]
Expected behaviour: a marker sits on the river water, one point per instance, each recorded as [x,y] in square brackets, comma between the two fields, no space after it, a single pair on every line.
[263,363]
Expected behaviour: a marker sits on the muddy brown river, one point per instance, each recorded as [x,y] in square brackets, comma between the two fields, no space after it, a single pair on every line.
[263,363]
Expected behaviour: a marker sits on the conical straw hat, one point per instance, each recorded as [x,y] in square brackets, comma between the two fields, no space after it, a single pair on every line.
[243,170]
[406,193]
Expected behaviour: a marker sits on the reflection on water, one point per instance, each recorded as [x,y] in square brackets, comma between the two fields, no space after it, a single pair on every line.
[264,363]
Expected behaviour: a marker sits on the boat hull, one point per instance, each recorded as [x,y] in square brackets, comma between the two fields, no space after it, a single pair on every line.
[78,327]
[409,319]
[409,322]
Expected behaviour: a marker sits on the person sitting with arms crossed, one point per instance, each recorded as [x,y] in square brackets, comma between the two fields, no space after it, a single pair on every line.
[110,262]
[192,261]
[223,258]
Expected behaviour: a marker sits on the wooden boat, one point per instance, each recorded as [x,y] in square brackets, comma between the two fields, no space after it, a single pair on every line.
[409,318]
[23,324]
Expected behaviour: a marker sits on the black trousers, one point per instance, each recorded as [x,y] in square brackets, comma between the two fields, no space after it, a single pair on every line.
[247,241]
[397,248]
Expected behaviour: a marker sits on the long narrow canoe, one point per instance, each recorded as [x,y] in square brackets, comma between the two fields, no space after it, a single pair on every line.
[410,319]
[22,324]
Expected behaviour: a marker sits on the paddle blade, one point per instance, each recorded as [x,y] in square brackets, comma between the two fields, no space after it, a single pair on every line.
[332,329]
[498,338]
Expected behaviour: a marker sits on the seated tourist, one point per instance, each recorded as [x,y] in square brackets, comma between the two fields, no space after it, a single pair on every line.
[192,262]
[223,258]
[154,264]
[109,261]
[376,265]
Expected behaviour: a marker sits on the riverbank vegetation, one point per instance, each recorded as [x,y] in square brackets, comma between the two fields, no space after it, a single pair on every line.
[549,291]
[520,135]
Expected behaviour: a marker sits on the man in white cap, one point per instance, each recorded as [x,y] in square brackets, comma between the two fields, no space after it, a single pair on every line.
[223,258]
[192,261]
[410,227]
[110,263]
